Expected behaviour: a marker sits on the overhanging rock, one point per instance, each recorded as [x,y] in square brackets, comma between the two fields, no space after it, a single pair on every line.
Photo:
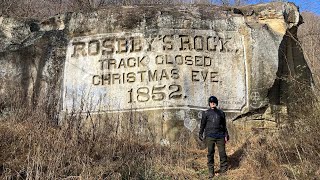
[159,62]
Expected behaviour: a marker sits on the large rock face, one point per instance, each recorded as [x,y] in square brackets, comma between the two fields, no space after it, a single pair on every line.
[159,62]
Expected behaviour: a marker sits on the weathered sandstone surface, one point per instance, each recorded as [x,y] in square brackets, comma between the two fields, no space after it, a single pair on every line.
[155,63]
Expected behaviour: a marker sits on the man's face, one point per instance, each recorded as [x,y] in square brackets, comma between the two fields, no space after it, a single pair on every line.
[212,105]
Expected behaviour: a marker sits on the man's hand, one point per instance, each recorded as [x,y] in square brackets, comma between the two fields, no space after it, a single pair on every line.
[200,137]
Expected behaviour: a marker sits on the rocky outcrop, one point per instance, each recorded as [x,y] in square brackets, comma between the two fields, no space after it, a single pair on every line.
[160,63]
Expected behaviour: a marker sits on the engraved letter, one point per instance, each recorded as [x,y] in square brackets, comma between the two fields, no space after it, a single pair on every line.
[149,42]
[213,43]
[122,45]
[198,60]
[179,59]
[167,42]
[207,61]
[96,80]
[108,44]
[111,62]
[122,63]
[154,76]
[106,77]
[131,62]
[94,48]
[175,73]
[194,75]
[79,49]
[226,45]
[184,42]
[116,76]
[159,59]
[214,77]
[188,60]
[143,61]
[204,75]
[131,78]
[102,61]
[198,43]
[164,74]
[136,45]
[141,75]
[169,59]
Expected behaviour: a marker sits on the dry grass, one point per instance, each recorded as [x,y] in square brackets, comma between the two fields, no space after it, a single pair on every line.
[34,148]
[293,152]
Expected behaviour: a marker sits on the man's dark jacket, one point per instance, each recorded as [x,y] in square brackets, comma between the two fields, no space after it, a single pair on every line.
[213,124]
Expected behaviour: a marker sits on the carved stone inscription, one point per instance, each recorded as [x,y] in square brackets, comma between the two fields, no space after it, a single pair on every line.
[170,69]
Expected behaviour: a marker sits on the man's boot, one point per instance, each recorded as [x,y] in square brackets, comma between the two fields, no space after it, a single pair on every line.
[211,172]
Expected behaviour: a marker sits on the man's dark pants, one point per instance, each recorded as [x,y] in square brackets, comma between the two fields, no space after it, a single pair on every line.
[222,153]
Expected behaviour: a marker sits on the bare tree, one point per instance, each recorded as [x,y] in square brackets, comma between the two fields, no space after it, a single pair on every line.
[309,36]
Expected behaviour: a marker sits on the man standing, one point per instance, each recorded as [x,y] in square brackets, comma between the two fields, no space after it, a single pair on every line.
[213,125]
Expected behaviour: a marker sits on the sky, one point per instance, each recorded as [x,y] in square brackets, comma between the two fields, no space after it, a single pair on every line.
[308,5]
[304,5]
